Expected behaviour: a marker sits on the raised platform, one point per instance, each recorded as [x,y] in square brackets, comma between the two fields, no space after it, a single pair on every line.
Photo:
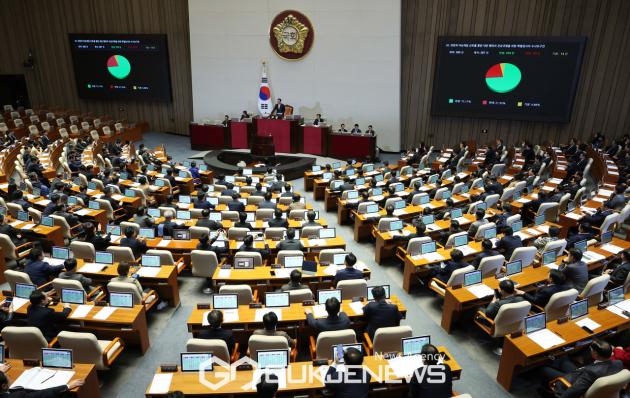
[225,162]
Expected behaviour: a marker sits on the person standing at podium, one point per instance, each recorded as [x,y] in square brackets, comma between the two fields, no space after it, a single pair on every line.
[278,110]
[245,115]
[226,120]
[370,131]
[356,129]
[318,119]
[342,128]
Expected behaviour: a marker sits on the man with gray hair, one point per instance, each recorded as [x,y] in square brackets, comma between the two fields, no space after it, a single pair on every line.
[166,228]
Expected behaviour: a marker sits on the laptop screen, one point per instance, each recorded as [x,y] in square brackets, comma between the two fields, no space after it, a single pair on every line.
[424,199]
[61,253]
[413,345]
[153,212]
[359,181]
[339,258]
[353,194]
[377,191]
[340,349]
[490,233]
[183,215]
[472,278]
[427,247]
[316,168]
[113,229]
[130,193]
[581,245]
[72,296]
[460,240]
[159,183]
[243,263]
[185,199]
[22,215]
[395,225]
[578,309]
[615,295]
[104,258]
[350,172]
[399,204]
[191,361]
[225,301]
[373,208]
[273,359]
[517,226]
[56,358]
[514,267]
[326,233]
[325,294]
[148,233]
[276,299]
[247,172]
[379,177]
[215,216]
[549,257]
[368,168]
[607,237]
[429,219]
[1,354]
[535,323]
[539,220]
[24,290]
[94,205]
[369,292]
[149,260]
[48,221]
[124,300]
[293,261]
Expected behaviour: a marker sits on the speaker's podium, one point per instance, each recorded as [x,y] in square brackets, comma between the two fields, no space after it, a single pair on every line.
[241,132]
[285,132]
[263,147]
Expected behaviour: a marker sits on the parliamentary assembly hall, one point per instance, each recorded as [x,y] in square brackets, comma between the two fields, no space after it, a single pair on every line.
[315,198]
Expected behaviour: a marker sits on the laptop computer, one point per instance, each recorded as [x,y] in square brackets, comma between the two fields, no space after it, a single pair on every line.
[340,349]
[56,358]
[472,278]
[369,291]
[413,345]
[72,296]
[325,294]
[192,361]
[578,309]
[535,323]
[149,260]
[243,263]
[120,300]
[104,258]
[272,359]
[225,301]
[513,267]
[274,300]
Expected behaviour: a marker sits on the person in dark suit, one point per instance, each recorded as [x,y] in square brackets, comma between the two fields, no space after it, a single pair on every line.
[597,218]
[138,245]
[575,270]
[258,191]
[168,226]
[349,272]
[44,318]
[347,185]
[107,196]
[205,221]
[422,385]
[295,282]
[457,262]
[479,221]
[242,221]
[268,385]
[581,379]
[267,203]
[278,109]
[342,128]
[205,243]
[509,242]
[70,273]
[619,273]
[486,251]
[235,204]
[379,313]
[493,186]
[556,283]
[355,129]
[201,202]
[215,331]
[277,221]
[52,205]
[39,270]
[370,131]
[19,199]
[318,119]
[334,321]
[287,191]
[244,115]
[453,229]
[52,392]
[12,232]
[169,176]
[290,243]
[310,220]
[507,295]
[248,246]
[355,380]
[618,201]
[582,234]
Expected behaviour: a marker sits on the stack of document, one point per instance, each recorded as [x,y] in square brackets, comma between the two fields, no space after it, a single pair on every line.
[42,378]
[149,272]
[161,383]
[611,248]
[546,339]
[319,311]
[480,290]
[92,268]
[357,307]
[466,250]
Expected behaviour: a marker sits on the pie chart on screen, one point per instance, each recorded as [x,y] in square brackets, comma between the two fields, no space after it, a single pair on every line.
[118,66]
[503,78]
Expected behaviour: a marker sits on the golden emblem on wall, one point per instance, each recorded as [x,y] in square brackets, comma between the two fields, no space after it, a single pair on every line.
[291,34]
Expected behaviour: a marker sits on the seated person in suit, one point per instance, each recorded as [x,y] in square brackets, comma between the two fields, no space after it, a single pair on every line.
[242,223]
[278,110]
[507,295]
[123,276]
[618,201]
[245,115]
[540,243]
[19,199]
[582,378]
[258,191]
[168,226]
[205,221]
[267,387]
[229,191]
[138,245]
[597,219]
[456,262]
[171,179]
[215,331]
[310,220]
[235,204]
[71,273]
[39,270]
[277,221]
[47,320]
[297,204]
[342,128]
[619,273]
[290,243]
[486,251]
[370,131]
[267,203]
[480,220]
[584,233]
[107,196]
[12,232]
[434,387]
[142,218]
[318,119]
[349,272]
[379,313]
[356,129]
[575,270]
[295,282]
[270,322]
[52,205]
[334,321]
[194,170]
[205,243]
[287,191]
[556,283]
[509,242]
[355,380]
[248,246]
[201,202]
[420,232]
[453,229]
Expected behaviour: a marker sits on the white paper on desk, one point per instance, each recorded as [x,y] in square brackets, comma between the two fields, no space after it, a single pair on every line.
[523,200]
[433,227]
[604,192]
[357,307]
[54,261]
[405,366]
[28,226]
[15,223]
[508,178]
[228,316]
[117,197]
[330,270]
[589,323]
[149,272]
[543,228]
[262,311]
[549,189]
[462,175]
[591,257]
[316,242]
[624,305]
[532,231]
[588,209]
[239,244]
[432,206]
[545,338]
[466,250]
[105,313]
[552,266]
[115,238]
[462,220]
[42,378]
[283,272]
[81,311]
[611,248]
[18,302]
[432,257]
[400,212]
[600,200]
[161,383]
[82,212]
[184,206]
[480,290]
[164,243]
[224,273]
[555,180]
[43,202]
[319,311]
[91,268]
[614,309]
[522,235]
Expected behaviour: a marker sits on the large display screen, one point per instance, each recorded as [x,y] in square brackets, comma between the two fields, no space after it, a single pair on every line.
[521,78]
[126,66]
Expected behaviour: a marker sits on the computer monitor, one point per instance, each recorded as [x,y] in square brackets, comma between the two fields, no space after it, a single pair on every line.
[160,183]
[359,181]
[606,237]
[379,177]
[225,301]
[352,195]
[369,291]
[293,261]
[153,212]
[368,168]
[60,253]
[36,192]
[428,247]
[94,205]
[326,233]
[1,353]
[377,191]
[371,208]
[113,229]
[615,295]
[191,361]
[399,204]
[215,216]
[517,226]
[339,258]
[513,267]
[327,176]
[273,300]
[247,172]
[325,294]
[72,296]
[340,349]
[350,172]
[130,193]
[570,207]
[472,278]
[185,199]
[309,267]
[72,200]
[428,219]
[460,240]
[229,179]
[272,359]
[581,245]
[535,323]
[516,196]
[539,220]
[104,258]
[490,233]
[395,225]
[183,215]
[250,217]
[432,179]
[48,221]
[482,206]
[424,199]
[316,168]
[456,213]
[578,309]
[413,345]
[24,290]
[181,234]
[121,300]
[56,358]
[243,263]
[149,260]
[90,185]
[336,165]
[446,195]
[549,257]
[22,215]
[148,233]
[124,176]
[213,200]
[465,189]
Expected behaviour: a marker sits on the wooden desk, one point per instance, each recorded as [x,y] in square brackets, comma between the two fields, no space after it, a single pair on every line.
[363,225]
[85,372]
[51,234]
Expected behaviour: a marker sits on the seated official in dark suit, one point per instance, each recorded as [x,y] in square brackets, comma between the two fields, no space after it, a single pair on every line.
[379,313]
[201,202]
[584,233]
[619,273]
[248,246]
[270,323]
[349,272]
[278,109]
[295,282]
[318,119]
[71,273]
[39,270]
[138,245]
[479,221]
[44,318]
[509,242]
[507,295]
[168,226]
[205,221]
[242,221]
[215,331]
[422,383]
[618,201]
[575,270]
[235,204]
[12,232]
[355,380]
[456,262]
[598,217]
[277,221]
[267,203]
[290,243]
[556,283]
[486,251]
[142,218]
[581,379]
[334,321]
